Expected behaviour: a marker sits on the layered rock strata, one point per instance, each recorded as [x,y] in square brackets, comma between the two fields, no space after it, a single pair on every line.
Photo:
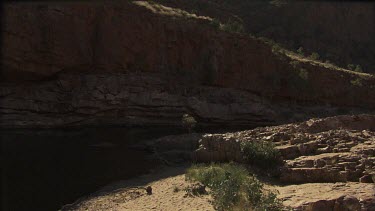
[129,63]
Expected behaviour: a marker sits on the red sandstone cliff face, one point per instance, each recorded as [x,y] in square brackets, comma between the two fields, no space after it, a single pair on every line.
[341,32]
[69,64]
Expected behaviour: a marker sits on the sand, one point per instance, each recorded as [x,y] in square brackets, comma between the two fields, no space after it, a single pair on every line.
[167,194]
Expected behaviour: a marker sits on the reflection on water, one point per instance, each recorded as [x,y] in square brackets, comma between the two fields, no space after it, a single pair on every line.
[45,169]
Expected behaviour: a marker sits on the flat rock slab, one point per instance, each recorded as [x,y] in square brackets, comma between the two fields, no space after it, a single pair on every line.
[328,196]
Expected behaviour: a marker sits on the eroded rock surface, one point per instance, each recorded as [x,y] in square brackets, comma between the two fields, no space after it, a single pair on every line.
[336,155]
[329,196]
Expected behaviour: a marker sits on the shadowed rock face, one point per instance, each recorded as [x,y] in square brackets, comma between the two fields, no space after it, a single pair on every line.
[339,31]
[79,64]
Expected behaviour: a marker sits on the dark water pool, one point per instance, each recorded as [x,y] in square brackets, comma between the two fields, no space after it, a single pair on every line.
[46,169]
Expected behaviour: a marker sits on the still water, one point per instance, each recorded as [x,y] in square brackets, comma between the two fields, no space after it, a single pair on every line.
[46,169]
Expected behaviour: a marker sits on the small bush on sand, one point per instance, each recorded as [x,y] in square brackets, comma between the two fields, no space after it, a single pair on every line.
[233,188]
[196,189]
[261,154]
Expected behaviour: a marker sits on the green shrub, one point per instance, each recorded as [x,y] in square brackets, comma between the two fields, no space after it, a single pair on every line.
[300,51]
[267,40]
[195,189]
[328,62]
[358,68]
[232,26]
[188,122]
[211,176]
[351,66]
[314,56]
[233,187]
[215,23]
[303,74]
[294,63]
[276,48]
[261,153]
[357,82]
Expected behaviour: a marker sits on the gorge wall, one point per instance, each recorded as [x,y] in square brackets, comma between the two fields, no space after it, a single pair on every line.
[71,64]
[340,31]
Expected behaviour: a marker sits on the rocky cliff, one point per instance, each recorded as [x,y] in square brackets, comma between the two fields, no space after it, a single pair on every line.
[340,31]
[335,149]
[328,164]
[139,63]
